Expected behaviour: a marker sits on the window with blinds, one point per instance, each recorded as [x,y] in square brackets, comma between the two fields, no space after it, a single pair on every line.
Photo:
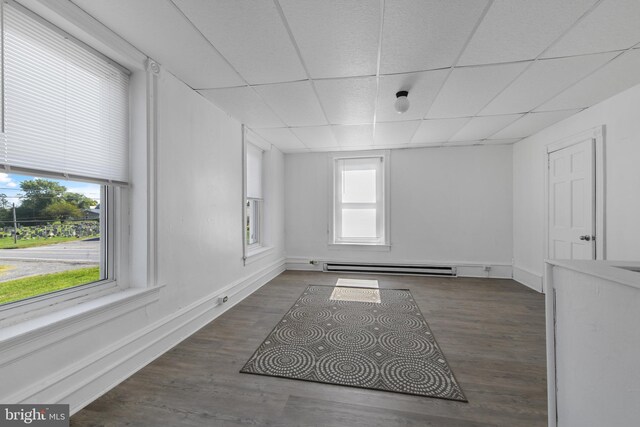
[64,150]
[65,106]
[359,201]
[254,200]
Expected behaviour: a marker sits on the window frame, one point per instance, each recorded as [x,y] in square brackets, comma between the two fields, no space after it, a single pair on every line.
[260,249]
[257,223]
[382,204]
[114,218]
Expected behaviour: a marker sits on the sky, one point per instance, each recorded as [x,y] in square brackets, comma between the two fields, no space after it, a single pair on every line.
[10,185]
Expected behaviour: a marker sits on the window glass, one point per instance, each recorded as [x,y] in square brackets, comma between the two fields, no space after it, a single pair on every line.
[51,235]
[359,223]
[359,186]
[359,201]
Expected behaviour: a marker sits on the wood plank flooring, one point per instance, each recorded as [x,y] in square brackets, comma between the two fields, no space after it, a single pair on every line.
[491,332]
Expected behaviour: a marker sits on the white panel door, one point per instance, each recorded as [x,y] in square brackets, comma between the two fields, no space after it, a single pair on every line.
[572,202]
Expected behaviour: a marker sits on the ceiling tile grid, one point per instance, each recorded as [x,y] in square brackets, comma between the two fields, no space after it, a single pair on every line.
[518,30]
[420,35]
[244,104]
[469,89]
[295,103]
[543,80]
[336,38]
[348,101]
[250,35]
[390,134]
[322,75]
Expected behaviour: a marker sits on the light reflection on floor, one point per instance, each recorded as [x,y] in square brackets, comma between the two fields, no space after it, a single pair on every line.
[357,290]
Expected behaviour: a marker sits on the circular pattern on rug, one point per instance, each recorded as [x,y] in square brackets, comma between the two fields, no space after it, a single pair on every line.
[419,377]
[405,343]
[315,299]
[285,361]
[347,368]
[299,333]
[354,317]
[398,306]
[310,314]
[352,339]
[400,321]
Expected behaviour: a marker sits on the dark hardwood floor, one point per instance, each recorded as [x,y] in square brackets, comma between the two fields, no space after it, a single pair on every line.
[491,331]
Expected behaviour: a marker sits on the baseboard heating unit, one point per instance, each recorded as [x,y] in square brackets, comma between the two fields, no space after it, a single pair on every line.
[413,270]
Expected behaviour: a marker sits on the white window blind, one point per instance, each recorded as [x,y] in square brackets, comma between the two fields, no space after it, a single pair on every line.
[65,106]
[359,200]
[254,172]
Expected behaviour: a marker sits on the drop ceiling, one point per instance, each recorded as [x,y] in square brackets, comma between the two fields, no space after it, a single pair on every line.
[309,75]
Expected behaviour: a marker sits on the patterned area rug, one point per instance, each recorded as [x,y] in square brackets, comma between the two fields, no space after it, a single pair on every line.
[368,338]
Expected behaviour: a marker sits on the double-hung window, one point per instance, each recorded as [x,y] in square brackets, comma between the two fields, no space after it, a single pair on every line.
[254,197]
[64,155]
[360,214]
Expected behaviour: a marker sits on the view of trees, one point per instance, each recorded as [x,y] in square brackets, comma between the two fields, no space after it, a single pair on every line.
[43,201]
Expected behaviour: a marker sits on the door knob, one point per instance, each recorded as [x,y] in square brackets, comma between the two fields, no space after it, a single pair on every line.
[586,237]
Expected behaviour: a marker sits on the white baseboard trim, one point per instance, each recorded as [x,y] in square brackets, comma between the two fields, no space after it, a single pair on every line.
[528,278]
[463,268]
[86,380]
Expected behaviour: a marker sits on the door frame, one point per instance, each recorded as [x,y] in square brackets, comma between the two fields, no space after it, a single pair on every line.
[597,135]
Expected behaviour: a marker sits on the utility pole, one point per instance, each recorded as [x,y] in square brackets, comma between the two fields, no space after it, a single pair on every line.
[15,226]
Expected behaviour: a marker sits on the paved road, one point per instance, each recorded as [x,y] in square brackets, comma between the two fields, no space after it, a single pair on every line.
[76,251]
[48,259]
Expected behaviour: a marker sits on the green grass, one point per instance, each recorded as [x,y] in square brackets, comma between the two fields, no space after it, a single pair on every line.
[7,242]
[15,290]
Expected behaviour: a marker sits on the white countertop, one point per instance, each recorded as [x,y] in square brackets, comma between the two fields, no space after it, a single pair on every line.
[603,269]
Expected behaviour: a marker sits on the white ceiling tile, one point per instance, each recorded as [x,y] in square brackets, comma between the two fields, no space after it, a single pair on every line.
[336,38]
[531,123]
[315,137]
[395,133]
[437,130]
[420,35]
[516,30]
[543,80]
[469,89]
[481,127]
[250,34]
[612,25]
[282,138]
[158,29]
[295,103]
[245,105]
[422,88]
[348,101]
[618,75]
[353,135]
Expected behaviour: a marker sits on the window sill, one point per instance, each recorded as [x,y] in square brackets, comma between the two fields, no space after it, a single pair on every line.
[256,254]
[31,335]
[359,247]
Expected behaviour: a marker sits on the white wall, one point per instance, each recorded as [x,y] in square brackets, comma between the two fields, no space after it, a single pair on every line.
[81,352]
[622,183]
[449,205]
[200,196]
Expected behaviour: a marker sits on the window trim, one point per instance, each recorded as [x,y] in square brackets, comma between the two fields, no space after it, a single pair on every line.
[112,220]
[256,251]
[332,222]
